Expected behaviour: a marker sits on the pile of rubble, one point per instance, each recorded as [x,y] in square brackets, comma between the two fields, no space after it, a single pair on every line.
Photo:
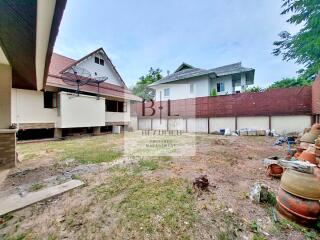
[299,194]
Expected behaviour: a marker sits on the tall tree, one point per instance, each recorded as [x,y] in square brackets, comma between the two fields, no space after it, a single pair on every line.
[141,88]
[304,46]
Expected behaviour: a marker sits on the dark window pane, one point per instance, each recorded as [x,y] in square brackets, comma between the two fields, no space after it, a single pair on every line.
[102,62]
[111,106]
[218,87]
[120,106]
[48,99]
[96,60]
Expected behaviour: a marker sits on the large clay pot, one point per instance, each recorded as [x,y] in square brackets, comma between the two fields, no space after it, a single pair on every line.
[300,207]
[309,137]
[288,215]
[301,184]
[308,156]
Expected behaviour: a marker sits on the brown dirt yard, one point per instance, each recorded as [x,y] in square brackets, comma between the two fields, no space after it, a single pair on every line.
[140,187]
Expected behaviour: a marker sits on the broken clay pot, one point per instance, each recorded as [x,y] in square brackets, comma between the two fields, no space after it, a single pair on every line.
[274,170]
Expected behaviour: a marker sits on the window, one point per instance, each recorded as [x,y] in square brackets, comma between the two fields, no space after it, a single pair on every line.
[49,100]
[99,61]
[220,87]
[115,106]
[166,92]
[191,88]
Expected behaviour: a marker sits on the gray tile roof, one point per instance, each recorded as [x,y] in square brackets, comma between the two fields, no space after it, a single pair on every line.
[196,72]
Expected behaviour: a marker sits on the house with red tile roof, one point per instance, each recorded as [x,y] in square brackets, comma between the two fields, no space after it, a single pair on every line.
[72,102]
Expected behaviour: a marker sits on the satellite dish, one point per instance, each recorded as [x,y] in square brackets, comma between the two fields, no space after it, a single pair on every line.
[76,76]
[98,81]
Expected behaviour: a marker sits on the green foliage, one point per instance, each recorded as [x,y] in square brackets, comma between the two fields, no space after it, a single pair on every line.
[213,92]
[141,88]
[304,46]
[291,82]
[254,89]
[36,187]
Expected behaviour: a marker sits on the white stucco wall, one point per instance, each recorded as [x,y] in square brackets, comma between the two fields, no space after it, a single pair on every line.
[158,124]
[105,70]
[222,123]
[28,107]
[81,111]
[258,123]
[227,80]
[287,124]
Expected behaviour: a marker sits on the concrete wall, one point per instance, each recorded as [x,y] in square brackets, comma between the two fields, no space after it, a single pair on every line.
[177,124]
[259,123]
[133,124]
[222,123]
[28,107]
[144,124]
[197,125]
[119,116]
[81,111]
[287,124]
[281,124]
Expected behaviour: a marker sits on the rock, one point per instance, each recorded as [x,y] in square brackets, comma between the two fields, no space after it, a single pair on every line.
[201,183]
[259,193]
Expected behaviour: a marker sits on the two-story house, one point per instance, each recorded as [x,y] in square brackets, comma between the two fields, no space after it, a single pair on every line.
[191,82]
[61,110]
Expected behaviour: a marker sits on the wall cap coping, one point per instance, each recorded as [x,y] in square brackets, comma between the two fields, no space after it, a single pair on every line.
[8,130]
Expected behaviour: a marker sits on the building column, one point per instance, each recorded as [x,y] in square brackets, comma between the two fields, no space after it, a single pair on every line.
[7,136]
[96,131]
[58,133]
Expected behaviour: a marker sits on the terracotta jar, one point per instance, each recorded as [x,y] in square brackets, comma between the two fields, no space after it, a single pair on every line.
[301,184]
[302,208]
[274,170]
[308,156]
[309,137]
[315,128]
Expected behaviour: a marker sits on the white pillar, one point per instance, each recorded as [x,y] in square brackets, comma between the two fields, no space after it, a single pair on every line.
[5,96]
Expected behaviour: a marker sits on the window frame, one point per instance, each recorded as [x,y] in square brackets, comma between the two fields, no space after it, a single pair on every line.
[96,60]
[220,87]
[191,88]
[101,62]
[52,97]
[166,92]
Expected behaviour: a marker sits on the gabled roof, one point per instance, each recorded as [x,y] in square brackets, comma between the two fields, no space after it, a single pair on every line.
[186,71]
[60,62]
[99,50]
[184,66]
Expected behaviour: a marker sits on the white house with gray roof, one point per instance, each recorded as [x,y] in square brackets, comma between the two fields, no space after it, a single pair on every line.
[191,82]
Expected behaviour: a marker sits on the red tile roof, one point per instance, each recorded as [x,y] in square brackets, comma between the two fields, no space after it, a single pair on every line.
[59,62]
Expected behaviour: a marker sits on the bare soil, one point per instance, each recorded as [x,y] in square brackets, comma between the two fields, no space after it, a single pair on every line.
[105,207]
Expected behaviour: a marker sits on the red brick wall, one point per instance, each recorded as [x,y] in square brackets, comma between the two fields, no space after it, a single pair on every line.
[287,101]
[316,96]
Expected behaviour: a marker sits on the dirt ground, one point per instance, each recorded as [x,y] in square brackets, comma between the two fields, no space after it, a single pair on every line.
[135,190]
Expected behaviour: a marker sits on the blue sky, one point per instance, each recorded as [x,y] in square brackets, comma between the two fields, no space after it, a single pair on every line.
[141,34]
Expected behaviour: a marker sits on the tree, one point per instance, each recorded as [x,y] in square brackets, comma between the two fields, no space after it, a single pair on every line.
[304,46]
[141,88]
[254,89]
[291,82]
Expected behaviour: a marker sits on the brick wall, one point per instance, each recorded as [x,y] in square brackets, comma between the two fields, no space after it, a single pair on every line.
[7,150]
[316,96]
[280,102]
